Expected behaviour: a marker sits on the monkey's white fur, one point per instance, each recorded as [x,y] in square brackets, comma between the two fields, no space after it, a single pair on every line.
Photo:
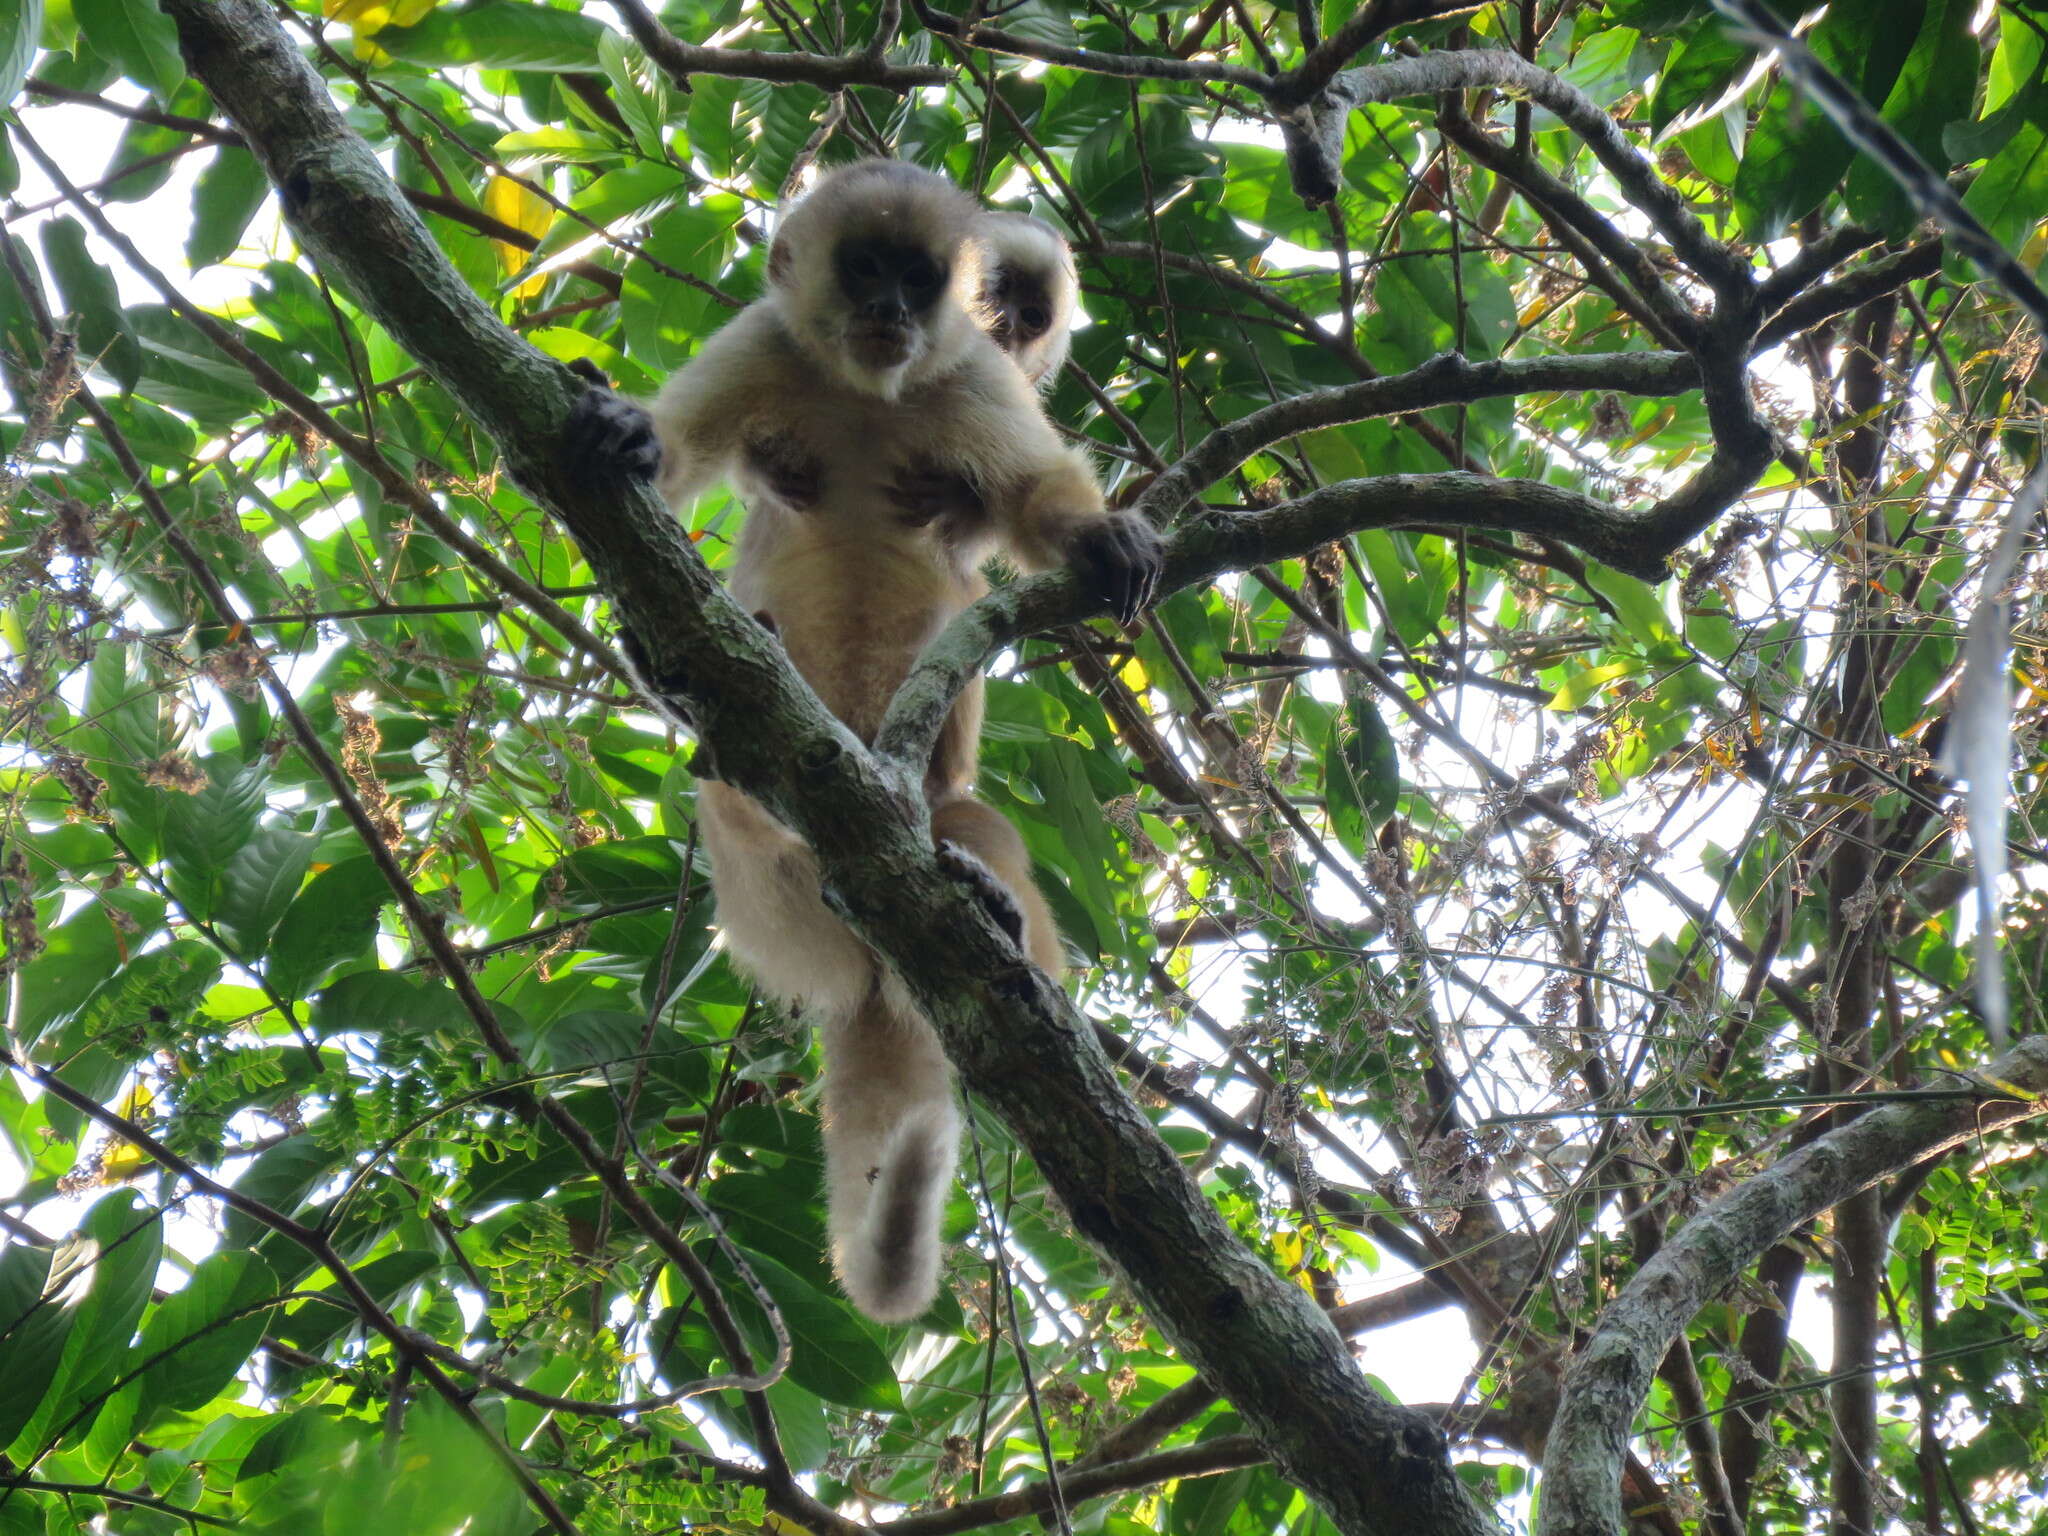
[856,589]
[1030,252]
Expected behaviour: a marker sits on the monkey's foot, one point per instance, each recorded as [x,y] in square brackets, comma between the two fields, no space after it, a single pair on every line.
[985,886]
[1119,559]
[608,438]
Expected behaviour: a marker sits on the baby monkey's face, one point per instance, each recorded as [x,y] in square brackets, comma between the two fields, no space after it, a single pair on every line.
[892,289]
[1018,309]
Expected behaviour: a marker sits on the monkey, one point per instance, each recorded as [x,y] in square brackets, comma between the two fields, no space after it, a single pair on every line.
[1028,293]
[860,361]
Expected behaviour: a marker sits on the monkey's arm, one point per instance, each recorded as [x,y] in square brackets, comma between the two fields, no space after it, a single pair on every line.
[690,434]
[1049,506]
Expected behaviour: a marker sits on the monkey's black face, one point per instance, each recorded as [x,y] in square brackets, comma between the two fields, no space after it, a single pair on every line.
[1018,310]
[891,288]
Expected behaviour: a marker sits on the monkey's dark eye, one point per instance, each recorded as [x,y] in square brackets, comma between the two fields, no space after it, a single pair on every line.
[863,266]
[1034,318]
[920,276]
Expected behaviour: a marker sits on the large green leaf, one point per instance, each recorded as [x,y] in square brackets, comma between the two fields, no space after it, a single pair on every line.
[21,28]
[498,34]
[224,199]
[89,292]
[261,878]
[206,832]
[1934,90]
[35,1320]
[333,919]
[202,1333]
[1795,155]
[113,1258]
[136,35]
[832,1352]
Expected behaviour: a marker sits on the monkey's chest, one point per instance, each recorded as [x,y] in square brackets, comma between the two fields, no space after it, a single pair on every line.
[852,611]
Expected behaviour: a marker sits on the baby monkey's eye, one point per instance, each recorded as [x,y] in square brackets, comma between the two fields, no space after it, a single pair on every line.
[863,266]
[921,275]
[1034,318]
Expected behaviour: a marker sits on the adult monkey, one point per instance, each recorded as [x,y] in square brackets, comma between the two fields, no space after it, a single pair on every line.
[862,364]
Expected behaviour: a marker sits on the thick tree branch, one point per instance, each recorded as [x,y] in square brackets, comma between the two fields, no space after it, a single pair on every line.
[1608,1378]
[1376,1467]
[1129,66]
[1850,291]
[827,71]
[1724,270]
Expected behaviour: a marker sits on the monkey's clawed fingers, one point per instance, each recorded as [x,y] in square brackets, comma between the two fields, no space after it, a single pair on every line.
[1120,559]
[985,886]
[608,437]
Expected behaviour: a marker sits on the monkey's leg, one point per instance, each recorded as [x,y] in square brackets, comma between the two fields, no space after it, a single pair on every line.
[892,1136]
[987,834]
[777,927]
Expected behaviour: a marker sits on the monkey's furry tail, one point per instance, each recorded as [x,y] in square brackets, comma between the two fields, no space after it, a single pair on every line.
[892,1135]
[889,1260]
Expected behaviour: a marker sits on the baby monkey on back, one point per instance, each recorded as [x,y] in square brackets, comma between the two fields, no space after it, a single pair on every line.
[861,375]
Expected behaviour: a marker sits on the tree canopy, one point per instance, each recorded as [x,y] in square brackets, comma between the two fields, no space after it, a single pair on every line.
[1510,878]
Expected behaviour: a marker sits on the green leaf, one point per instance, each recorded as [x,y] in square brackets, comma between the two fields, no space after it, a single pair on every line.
[1362,776]
[21,30]
[259,881]
[79,955]
[114,1256]
[1934,89]
[1796,156]
[831,1352]
[384,1002]
[138,37]
[89,292]
[1112,180]
[497,34]
[1702,67]
[775,1213]
[35,1320]
[639,90]
[203,1333]
[203,833]
[333,919]
[280,1177]
[2010,192]
[166,981]
[666,320]
[612,874]
[224,199]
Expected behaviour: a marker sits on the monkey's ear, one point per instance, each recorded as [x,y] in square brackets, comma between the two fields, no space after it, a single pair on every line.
[779,261]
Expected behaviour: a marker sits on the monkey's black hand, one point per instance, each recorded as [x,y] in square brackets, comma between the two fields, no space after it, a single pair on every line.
[1119,559]
[925,492]
[608,437]
[983,884]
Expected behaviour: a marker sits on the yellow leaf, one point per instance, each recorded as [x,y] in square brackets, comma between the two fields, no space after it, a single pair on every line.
[1582,686]
[366,18]
[513,202]
[123,1159]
